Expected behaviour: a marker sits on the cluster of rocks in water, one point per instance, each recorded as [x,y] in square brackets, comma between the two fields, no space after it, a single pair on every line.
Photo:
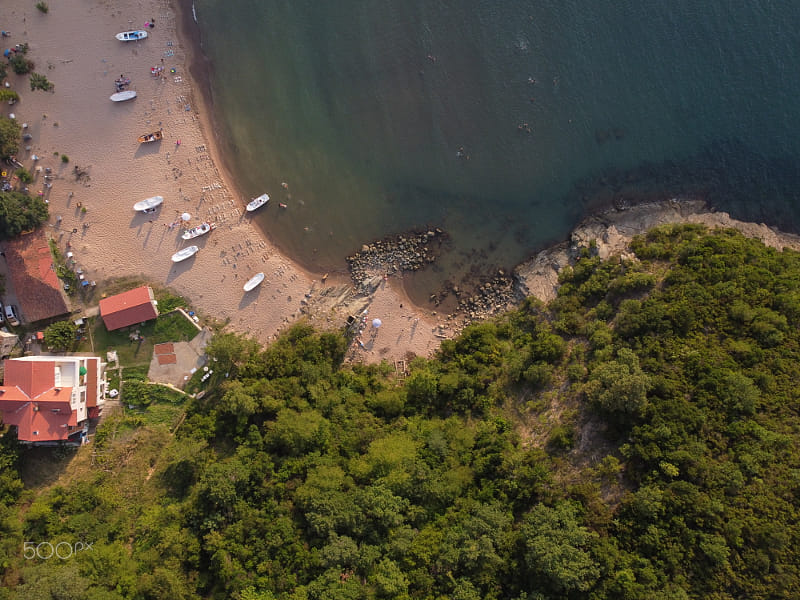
[414,251]
[405,252]
[491,297]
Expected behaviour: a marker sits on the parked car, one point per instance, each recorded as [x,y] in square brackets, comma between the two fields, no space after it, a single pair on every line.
[10,313]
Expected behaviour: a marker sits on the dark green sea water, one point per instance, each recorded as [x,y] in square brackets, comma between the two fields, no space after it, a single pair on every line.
[385,116]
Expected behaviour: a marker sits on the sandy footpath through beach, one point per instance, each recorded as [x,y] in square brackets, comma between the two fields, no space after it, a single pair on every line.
[74,46]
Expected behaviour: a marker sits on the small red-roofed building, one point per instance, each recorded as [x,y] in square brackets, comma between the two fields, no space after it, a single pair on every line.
[50,399]
[129,308]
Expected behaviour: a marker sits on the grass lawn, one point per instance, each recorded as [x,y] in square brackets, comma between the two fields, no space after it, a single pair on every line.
[158,414]
[173,327]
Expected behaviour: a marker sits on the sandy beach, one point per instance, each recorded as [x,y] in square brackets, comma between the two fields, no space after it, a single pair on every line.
[92,195]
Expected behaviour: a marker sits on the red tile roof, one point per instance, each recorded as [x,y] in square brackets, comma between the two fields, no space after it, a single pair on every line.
[28,400]
[165,348]
[41,423]
[32,377]
[91,381]
[167,359]
[11,396]
[128,308]
[33,276]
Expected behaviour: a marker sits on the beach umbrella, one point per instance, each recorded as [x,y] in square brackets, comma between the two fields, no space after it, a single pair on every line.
[376,323]
[186,216]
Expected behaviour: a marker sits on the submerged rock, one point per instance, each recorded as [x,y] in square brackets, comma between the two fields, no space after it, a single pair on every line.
[403,252]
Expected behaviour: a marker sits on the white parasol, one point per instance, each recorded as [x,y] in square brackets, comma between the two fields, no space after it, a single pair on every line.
[186,216]
[376,323]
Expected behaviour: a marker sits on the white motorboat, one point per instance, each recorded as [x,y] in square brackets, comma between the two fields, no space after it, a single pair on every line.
[148,203]
[131,36]
[257,202]
[122,96]
[184,253]
[201,229]
[253,282]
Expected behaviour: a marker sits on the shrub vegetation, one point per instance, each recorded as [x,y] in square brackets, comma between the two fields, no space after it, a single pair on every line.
[10,135]
[658,457]
[20,212]
[40,82]
[61,336]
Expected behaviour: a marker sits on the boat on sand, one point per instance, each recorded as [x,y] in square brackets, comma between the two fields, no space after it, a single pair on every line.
[253,282]
[151,137]
[201,229]
[148,203]
[122,96]
[184,253]
[256,203]
[131,36]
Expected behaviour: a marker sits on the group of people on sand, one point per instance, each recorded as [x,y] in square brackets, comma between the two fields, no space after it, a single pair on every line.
[122,82]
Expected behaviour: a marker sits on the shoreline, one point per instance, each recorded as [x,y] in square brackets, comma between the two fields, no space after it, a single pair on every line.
[108,239]
[613,229]
[190,171]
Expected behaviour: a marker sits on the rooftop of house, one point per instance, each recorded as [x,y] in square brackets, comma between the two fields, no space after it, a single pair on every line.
[30,400]
[42,423]
[33,276]
[37,395]
[33,378]
[128,308]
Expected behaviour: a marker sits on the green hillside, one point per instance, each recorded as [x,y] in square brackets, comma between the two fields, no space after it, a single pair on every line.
[636,439]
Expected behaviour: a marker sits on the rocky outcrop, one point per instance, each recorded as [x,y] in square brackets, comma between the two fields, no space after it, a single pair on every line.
[492,297]
[609,233]
[405,252]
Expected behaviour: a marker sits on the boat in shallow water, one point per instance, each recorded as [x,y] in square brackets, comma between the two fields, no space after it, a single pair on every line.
[253,282]
[184,253]
[257,202]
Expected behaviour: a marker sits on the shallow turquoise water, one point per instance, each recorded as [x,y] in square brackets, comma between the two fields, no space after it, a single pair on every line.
[385,116]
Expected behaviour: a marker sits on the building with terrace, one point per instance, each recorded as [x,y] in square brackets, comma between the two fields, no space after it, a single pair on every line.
[50,399]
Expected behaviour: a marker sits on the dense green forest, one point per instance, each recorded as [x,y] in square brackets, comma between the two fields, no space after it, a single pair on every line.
[635,439]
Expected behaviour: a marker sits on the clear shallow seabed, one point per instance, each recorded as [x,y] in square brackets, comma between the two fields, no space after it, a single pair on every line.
[500,122]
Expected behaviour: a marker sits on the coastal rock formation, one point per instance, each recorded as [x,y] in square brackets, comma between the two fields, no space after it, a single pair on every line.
[405,252]
[493,297]
[610,232]
[606,233]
